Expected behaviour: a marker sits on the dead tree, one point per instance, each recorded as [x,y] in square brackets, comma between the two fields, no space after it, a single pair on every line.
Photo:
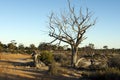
[70,28]
[37,62]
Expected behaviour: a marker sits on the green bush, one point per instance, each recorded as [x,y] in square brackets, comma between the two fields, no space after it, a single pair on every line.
[46,57]
[107,74]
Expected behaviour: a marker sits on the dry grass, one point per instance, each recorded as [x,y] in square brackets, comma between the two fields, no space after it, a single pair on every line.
[12,68]
[13,56]
[9,69]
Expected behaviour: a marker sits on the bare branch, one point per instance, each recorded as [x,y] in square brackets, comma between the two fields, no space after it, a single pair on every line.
[52,41]
[53,30]
[70,28]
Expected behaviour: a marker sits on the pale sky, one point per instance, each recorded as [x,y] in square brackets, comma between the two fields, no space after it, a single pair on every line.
[26,20]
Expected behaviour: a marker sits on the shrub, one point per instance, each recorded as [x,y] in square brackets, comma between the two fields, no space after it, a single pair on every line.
[66,63]
[100,66]
[107,74]
[46,57]
[114,61]
[62,59]
[53,68]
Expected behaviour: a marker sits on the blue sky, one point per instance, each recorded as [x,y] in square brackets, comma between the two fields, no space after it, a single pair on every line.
[26,20]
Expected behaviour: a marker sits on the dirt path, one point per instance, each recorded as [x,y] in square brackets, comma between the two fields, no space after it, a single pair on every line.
[16,67]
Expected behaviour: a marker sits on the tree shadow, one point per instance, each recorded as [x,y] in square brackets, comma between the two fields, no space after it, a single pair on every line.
[31,63]
[37,74]
[6,76]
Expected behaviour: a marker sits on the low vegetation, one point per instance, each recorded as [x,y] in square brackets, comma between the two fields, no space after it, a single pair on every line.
[105,66]
[53,69]
[107,74]
[114,61]
[46,57]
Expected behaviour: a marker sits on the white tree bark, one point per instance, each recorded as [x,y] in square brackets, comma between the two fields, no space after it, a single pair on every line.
[70,28]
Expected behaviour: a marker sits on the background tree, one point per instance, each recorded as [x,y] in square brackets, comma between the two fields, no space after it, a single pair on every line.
[89,49]
[1,47]
[12,46]
[91,45]
[105,47]
[44,46]
[70,28]
[21,48]
[32,47]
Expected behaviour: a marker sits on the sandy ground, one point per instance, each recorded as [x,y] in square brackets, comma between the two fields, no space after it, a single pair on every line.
[16,67]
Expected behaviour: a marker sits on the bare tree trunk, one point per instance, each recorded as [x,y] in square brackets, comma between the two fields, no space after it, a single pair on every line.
[74,56]
[70,29]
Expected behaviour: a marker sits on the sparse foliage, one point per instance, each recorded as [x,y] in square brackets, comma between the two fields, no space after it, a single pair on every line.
[46,57]
[105,47]
[70,28]
[32,47]
[1,47]
[12,46]
[21,48]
